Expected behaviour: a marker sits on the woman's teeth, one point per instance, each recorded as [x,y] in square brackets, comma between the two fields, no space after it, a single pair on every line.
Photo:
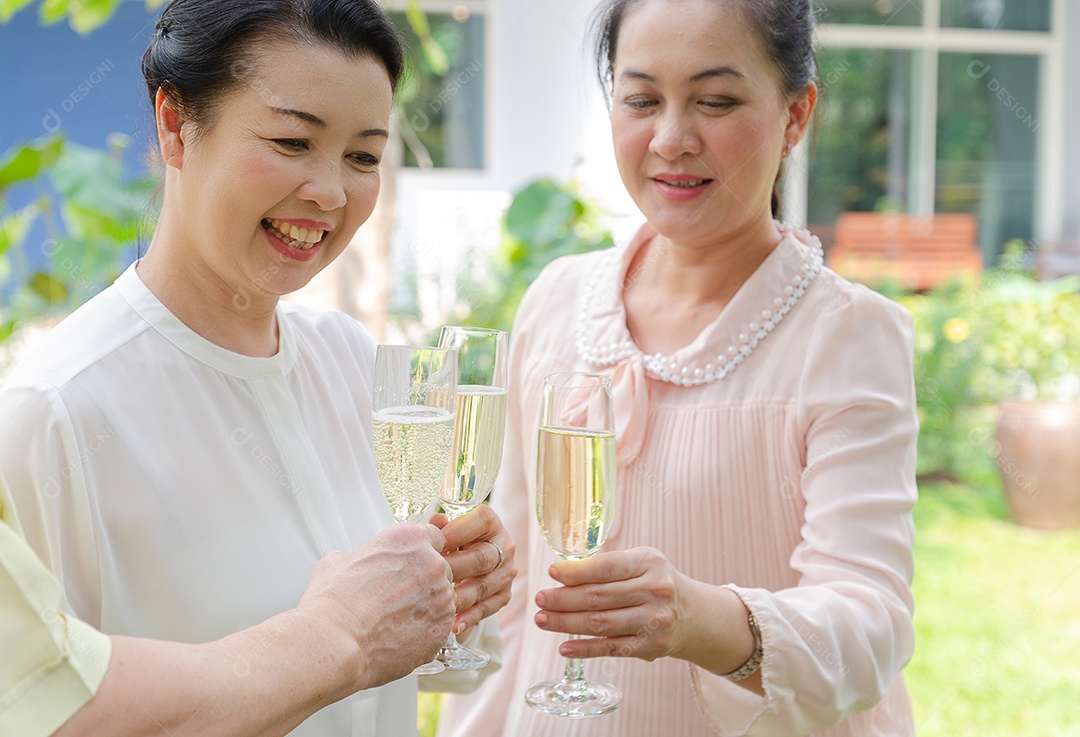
[685,185]
[293,236]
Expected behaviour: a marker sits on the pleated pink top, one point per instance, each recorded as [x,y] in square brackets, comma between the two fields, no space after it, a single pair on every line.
[774,454]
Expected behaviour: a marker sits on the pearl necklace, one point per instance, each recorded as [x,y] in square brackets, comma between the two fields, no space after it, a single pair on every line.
[667,369]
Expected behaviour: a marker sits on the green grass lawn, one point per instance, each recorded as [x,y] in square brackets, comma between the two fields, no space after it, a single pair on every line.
[997,621]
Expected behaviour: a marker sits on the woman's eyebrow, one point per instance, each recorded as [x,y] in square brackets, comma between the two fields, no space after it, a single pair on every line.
[318,122]
[713,72]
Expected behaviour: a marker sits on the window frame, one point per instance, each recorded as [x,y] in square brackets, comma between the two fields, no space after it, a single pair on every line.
[932,40]
[487,9]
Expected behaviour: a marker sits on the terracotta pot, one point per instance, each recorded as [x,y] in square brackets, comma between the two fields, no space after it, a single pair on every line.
[1038,456]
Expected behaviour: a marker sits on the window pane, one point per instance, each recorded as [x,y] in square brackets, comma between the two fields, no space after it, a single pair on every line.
[1010,15]
[443,114]
[862,142]
[872,12]
[987,142]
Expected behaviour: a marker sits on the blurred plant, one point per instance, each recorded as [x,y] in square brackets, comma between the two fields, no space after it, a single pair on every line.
[1032,351]
[977,343]
[545,221]
[83,16]
[946,359]
[91,214]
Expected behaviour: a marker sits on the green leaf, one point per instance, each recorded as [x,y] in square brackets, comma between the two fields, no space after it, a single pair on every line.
[92,181]
[435,56]
[82,223]
[154,4]
[1021,288]
[542,214]
[13,228]
[48,287]
[53,11]
[7,327]
[89,15]
[434,53]
[29,160]
[9,8]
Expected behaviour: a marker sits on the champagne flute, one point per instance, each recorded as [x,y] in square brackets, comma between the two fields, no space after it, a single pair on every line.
[575,505]
[478,443]
[412,429]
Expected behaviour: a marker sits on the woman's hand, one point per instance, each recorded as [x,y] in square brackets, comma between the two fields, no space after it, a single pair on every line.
[635,604]
[627,601]
[392,596]
[482,581]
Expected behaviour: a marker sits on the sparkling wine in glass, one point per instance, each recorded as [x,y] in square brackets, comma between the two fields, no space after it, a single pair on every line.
[478,443]
[575,505]
[413,430]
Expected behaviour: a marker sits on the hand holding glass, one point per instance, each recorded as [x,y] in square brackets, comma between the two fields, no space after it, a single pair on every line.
[478,443]
[412,429]
[575,505]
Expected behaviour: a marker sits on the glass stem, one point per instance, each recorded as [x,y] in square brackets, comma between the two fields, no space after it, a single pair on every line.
[451,639]
[574,673]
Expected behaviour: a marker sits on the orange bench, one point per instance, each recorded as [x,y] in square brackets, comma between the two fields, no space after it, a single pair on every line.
[917,252]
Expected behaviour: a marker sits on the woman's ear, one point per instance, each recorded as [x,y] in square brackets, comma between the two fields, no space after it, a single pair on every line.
[170,124]
[800,111]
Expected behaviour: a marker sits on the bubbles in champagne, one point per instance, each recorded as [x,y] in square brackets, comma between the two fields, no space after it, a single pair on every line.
[477,448]
[412,450]
[575,489]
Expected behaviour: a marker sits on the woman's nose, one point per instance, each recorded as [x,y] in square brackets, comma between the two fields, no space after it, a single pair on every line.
[674,136]
[325,185]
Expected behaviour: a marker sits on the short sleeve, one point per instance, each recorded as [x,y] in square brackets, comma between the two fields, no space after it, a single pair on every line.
[53,663]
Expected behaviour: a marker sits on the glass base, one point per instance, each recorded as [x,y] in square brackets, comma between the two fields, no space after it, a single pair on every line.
[457,657]
[574,699]
[429,669]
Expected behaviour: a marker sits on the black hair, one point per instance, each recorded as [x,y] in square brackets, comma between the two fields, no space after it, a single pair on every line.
[785,28]
[203,48]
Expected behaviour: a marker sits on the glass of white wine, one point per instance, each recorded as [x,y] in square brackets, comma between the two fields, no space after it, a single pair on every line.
[413,430]
[478,443]
[575,505]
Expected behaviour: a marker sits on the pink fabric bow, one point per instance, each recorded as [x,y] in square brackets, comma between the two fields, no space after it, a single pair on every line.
[630,395]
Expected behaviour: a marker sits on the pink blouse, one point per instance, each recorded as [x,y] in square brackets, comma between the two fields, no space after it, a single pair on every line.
[790,479]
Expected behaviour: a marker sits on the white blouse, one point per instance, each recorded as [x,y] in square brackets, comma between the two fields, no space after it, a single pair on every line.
[181,491]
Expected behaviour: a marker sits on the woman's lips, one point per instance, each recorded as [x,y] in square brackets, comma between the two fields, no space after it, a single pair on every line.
[293,234]
[300,248]
[681,187]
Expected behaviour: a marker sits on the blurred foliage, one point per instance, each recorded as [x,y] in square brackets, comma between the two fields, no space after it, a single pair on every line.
[83,16]
[545,221]
[93,212]
[91,215]
[946,357]
[977,343]
[437,70]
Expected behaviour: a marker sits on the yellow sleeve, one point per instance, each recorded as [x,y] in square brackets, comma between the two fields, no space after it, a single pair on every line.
[53,663]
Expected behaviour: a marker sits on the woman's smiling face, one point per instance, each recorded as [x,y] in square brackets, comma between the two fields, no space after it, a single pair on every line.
[699,117]
[272,189]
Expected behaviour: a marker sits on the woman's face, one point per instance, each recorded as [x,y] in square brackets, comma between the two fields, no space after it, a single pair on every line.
[275,187]
[699,118]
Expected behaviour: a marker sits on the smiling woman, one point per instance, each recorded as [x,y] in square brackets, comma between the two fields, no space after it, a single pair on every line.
[238,427]
[297,139]
[757,581]
[297,143]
